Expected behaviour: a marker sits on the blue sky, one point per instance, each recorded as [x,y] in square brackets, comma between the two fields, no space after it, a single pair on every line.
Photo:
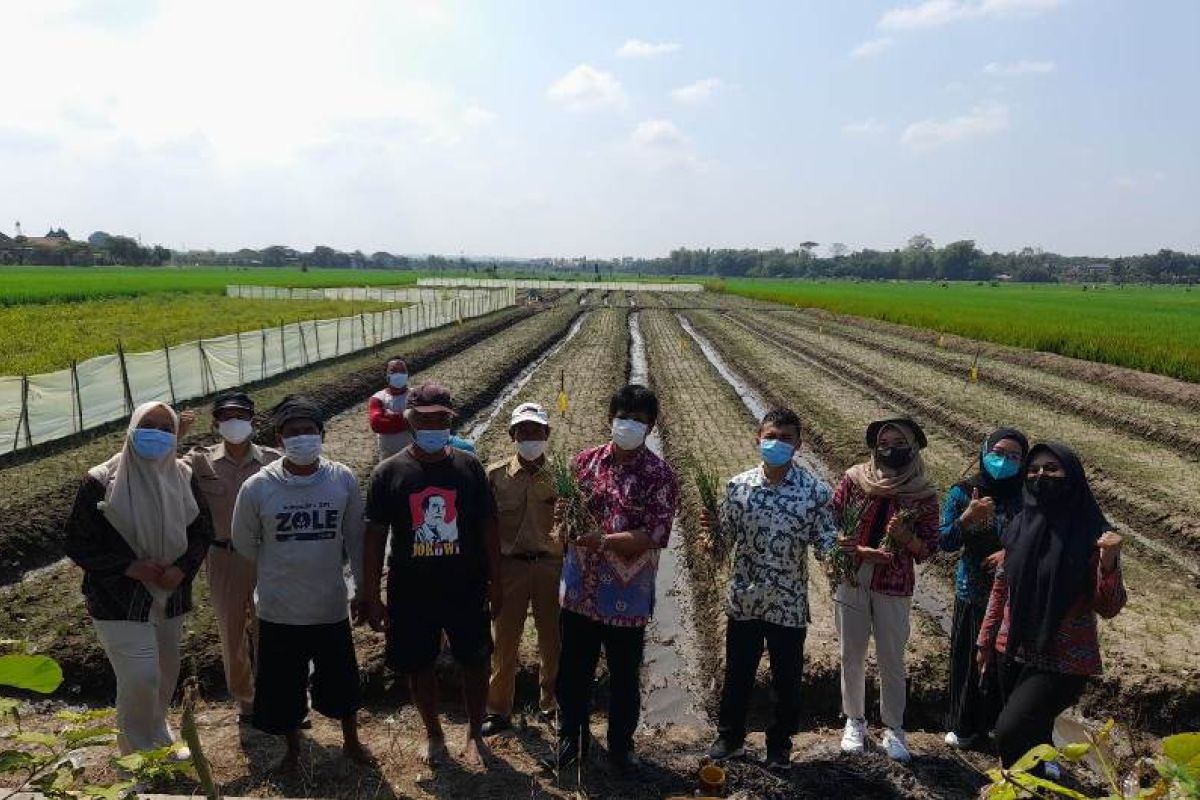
[603,129]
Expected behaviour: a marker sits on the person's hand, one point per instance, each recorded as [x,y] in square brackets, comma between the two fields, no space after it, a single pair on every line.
[994,561]
[847,545]
[983,659]
[873,555]
[979,511]
[706,521]
[186,420]
[590,540]
[1110,548]
[495,598]
[144,570]
[899,532]
[170,578]
[372,611]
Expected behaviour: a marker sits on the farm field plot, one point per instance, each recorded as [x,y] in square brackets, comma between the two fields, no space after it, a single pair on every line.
[49,336]
[20,285]
[588,369]
[1094,325]
[1148,647]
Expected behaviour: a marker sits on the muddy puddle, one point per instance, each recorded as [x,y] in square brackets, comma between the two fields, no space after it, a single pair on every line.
[669,692]
[935,604]
[483,420]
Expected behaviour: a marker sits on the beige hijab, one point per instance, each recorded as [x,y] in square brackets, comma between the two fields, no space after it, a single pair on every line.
[150,503]
[906,483]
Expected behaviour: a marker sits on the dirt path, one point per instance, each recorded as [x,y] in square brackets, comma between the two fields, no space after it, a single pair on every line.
[1150,649]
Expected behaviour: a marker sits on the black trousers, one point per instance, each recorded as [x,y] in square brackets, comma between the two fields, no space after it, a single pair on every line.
[744,640]
[582,639]
[282,679]
[974,703]
[1032,699]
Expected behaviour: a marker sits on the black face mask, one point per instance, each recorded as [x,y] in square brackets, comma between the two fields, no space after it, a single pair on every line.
[894,457]
[1047,490]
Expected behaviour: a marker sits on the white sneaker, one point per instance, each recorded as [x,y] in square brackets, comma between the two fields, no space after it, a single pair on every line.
[854,737]
[959,742]
[894,746]
[180,754]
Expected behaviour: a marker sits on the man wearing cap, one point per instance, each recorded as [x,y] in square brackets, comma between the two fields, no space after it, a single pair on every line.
[299,520]
[443,573]
[385,410]
[530,564]
[218,472]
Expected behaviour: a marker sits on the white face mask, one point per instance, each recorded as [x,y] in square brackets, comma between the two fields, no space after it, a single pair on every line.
[532,449]
[235,431]
[303,450]
[397,380]
[629,434]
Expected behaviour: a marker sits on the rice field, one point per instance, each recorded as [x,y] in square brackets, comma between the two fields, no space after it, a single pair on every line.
[1148,328]
[49,336]
[21,285]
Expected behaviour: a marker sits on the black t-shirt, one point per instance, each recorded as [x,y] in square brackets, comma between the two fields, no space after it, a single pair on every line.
[438,512]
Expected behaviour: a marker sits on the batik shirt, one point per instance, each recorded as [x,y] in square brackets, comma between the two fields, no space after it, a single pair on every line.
[972,579]
[641,494]
[770,527]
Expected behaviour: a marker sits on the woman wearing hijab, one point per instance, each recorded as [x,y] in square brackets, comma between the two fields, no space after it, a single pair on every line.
[896,510]
[975,514]
[1061,568]
[139,536]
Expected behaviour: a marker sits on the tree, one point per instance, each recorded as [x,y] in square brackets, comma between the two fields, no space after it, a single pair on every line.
[99,240]
[58,233]
[958,261]
[919,241]
[838,250]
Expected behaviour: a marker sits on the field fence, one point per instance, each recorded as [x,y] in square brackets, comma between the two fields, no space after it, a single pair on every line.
[613,286]
[350,293]
[35,409]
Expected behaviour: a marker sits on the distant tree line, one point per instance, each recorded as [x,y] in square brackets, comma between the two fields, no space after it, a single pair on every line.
[919,259]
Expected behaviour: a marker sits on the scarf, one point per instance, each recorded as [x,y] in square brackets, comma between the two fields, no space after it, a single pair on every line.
[1006,489]
[150,503]
[907,483]
[1048,549]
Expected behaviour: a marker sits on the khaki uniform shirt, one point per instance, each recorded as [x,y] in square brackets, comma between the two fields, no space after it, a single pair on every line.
[525,501]
[219,478]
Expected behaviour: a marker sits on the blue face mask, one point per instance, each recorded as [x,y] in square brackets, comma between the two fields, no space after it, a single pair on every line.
[1000,466]
[776,452]
[432,441]
[151,443]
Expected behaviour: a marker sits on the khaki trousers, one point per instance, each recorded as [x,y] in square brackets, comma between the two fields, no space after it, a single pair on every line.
[525,584]
[859,613]
[231,581]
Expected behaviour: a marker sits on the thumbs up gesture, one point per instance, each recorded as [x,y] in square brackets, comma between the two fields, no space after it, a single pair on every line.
[979,511]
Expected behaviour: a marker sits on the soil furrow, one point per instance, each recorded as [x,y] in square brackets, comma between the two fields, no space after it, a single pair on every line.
[1144,508]
[1153,421]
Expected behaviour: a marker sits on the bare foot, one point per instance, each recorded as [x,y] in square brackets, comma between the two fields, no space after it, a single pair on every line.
[435,751]
[477,754]
[358,754]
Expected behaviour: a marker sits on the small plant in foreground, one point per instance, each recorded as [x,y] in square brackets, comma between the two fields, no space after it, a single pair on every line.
[574,518]
[1174,775]
[839,565]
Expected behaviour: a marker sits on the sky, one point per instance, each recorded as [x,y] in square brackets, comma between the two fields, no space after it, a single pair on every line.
[572,128]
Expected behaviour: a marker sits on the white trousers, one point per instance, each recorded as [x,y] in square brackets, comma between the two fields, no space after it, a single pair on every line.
[145,658]
[858,613]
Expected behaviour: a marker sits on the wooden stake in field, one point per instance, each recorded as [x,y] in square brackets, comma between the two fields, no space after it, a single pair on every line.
[563,404]
[973,375]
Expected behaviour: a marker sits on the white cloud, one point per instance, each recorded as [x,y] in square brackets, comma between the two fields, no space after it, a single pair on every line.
[865,127]
[696,93]
[474,116]
[660,144]
[983,120]
[636,48]
[1022,67]
[871,47]
[934,13]
[586,88]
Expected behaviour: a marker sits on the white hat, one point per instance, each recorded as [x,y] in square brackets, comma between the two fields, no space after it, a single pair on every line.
[529,412]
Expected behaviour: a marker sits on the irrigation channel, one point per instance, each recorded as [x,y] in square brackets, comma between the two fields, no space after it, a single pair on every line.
[670,663]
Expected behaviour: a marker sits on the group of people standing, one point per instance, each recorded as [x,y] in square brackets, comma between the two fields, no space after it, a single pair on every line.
[296,555]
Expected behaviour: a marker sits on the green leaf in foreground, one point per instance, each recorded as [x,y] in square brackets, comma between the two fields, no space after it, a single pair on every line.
[35,673]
